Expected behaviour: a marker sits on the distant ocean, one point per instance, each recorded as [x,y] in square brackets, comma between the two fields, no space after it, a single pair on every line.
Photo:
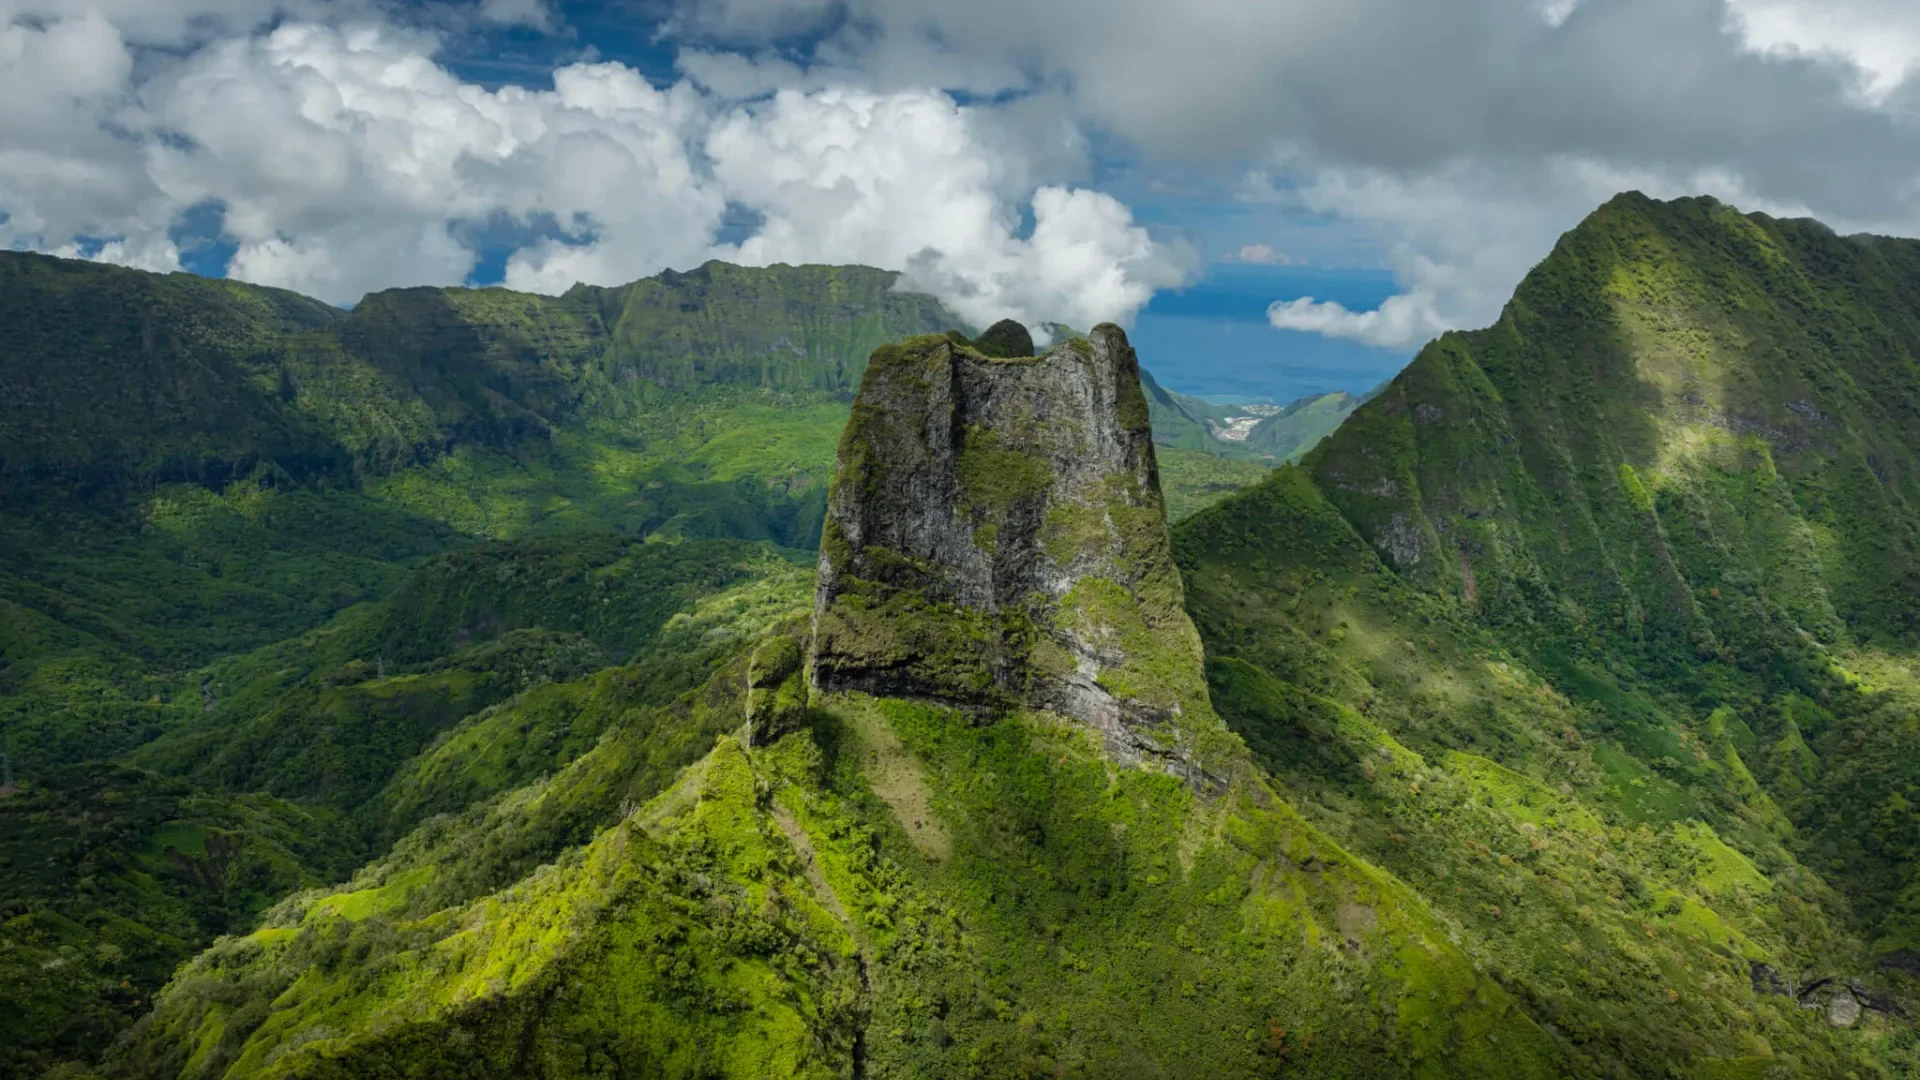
[1212,339]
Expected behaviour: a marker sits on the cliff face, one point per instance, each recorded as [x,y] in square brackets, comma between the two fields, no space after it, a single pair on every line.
[122,377]
[996,538]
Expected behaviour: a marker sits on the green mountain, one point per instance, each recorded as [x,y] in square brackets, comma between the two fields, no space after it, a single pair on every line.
[1183,421]
[269,569]
[1209,451]
[1554,716]
[1593,628]
[1038,850]
[1285,436]
[1274,435]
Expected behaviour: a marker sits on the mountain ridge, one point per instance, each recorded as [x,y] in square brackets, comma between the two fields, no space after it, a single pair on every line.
[1588,561]
[1565,699]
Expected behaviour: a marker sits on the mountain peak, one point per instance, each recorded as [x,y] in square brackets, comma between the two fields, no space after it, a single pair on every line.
[996,538]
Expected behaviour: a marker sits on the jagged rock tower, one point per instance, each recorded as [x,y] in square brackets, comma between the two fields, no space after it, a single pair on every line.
[996,538]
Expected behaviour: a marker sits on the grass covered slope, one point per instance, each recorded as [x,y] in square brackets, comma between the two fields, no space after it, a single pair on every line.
[1570,631]
[1193,480]
[1274,435]
[203,379]
[1688,423]
[470,680]
[893,892]
[327,718]
[199,468]
[261,462]
[118,372]
[324,576]
[110,876]
[1285,436]
[872,886]
[1686,458]
[1625,905]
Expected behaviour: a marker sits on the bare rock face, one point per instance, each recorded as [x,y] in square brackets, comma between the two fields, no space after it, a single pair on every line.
[996,539]
[1843,1009]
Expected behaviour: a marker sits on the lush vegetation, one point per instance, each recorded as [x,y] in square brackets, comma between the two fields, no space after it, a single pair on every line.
[1629,575]
[1268,434]
[421,692]
[1284,436]
[301,579]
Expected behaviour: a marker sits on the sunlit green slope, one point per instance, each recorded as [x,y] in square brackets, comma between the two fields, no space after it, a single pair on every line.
[318,576]
[1594,628]
[1062,879]
[289,765]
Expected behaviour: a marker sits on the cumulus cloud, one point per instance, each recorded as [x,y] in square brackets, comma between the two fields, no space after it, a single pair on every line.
[347,160]
[1804,103]
[532,13]
[907,180]
[343,158]
[65,171]
[1880,37]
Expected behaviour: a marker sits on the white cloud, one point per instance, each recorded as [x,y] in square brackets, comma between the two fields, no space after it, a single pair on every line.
[531,13]
[346,159]
[177,23]
[1403,320]
[150,251]
[910,180]
[1464,133]
[1260,255]
[1882,37]
[63,172]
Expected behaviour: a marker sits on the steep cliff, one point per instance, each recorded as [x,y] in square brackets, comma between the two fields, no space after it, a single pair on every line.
[973,883]
[1632,574]
[996,537]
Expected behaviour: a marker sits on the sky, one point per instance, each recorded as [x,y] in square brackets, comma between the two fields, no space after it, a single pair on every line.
[1276,196]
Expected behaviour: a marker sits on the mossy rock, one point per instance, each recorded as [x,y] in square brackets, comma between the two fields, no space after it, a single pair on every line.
[981,505]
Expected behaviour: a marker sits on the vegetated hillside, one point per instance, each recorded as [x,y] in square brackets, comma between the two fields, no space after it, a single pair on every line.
[1273,435]
[1080,874]
[1478,826]
[114,373]
[292,764]
[195,468]
[1285,436]
[1595,628]
[1183,421]
[129,377]
[279,582]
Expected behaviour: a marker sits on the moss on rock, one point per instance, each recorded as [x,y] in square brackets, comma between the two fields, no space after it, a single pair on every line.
[996,536]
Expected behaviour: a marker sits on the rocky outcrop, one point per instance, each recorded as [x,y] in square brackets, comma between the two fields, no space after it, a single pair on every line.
[1005,339]
[996,539]
[776,689]
[1842,1001]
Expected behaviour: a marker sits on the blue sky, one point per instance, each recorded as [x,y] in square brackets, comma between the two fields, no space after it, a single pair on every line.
[1282,197]
[1210,338]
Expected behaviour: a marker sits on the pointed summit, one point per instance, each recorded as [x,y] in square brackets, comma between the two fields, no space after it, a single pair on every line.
[1005,339]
